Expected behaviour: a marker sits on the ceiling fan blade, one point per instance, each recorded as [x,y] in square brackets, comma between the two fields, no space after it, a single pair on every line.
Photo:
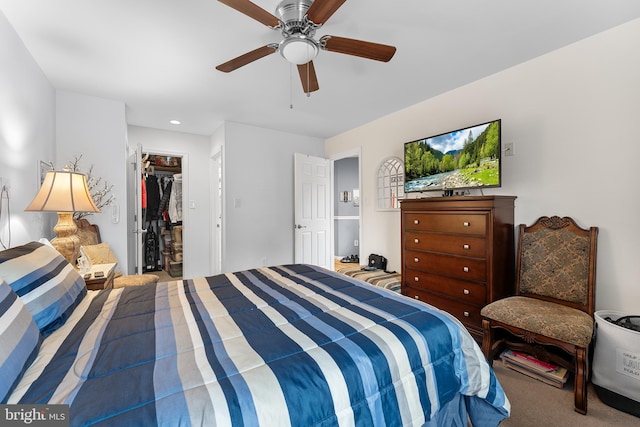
[308,77]
[369,50]
[254,11]
[321,10]
[247,58]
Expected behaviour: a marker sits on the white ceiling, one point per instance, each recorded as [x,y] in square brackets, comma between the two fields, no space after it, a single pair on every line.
[159,56]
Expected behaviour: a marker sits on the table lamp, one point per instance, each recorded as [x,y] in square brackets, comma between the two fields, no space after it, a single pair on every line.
[64,192]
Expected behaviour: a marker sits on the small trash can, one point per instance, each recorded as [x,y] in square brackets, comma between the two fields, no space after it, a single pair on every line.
[616,360]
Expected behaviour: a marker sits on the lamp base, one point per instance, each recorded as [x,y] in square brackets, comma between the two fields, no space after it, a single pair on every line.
[67,241]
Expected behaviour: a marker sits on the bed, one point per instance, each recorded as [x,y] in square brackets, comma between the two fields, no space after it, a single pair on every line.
[290,345]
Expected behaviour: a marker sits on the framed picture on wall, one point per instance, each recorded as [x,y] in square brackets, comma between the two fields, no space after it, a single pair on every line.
[43,168]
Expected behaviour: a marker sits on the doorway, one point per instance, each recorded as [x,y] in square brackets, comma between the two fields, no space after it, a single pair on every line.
[163,245]
[159,218]
[347,235]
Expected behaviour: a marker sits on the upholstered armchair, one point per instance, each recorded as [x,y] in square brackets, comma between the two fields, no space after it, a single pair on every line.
[554,302]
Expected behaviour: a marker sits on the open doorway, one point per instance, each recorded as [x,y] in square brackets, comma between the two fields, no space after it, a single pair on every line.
[346,209]
[162,215]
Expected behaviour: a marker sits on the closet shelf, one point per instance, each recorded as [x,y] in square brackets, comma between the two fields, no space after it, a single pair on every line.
[174,169]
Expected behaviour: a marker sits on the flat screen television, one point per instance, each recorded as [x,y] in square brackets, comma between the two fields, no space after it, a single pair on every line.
[463,159]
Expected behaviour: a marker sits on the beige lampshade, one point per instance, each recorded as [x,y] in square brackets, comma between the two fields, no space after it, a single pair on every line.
[63,191]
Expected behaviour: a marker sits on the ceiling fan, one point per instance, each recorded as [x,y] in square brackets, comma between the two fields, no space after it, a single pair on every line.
[298,21]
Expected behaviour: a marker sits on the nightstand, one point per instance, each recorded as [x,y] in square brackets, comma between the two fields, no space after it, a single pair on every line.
[105,282]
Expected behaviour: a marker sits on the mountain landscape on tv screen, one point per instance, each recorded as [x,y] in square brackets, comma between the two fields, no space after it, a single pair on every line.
[465,158]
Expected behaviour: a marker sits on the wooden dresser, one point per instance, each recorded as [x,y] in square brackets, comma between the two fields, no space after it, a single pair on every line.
[458,253]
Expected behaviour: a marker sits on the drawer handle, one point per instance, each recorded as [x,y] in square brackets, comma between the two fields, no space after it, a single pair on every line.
[416,260]
[466,291]
[465,314]
[466,224]
[416,221]
[416,297]
[466,246]
[416,240]
[416,279]
[465,269]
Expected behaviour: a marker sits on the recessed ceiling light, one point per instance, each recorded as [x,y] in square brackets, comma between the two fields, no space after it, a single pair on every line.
[175,122]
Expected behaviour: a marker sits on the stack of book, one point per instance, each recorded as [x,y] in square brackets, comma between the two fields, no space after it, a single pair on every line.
[546,372]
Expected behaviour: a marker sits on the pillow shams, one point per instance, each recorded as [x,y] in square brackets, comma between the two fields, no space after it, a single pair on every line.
[47,284]
[20,340]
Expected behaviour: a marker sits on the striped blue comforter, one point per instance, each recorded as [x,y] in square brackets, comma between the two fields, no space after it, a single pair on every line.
[292,345]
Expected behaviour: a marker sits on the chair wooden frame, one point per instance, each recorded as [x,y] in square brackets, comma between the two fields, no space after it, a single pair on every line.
[536,343]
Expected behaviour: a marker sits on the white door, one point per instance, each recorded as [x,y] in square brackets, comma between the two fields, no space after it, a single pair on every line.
[135,165]
[312,216]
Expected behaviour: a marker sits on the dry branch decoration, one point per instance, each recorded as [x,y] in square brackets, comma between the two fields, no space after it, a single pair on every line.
[100,190]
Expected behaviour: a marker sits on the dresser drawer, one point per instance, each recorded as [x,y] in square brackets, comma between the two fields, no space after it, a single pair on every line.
[467,292]
[447,243]
[461,223]
[448,265]
[467,314]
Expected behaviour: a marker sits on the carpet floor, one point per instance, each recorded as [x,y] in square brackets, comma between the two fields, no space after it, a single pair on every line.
[535,404]
[164,276]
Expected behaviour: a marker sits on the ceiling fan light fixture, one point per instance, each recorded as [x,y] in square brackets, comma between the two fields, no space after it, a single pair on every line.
[297,21]
[298,49]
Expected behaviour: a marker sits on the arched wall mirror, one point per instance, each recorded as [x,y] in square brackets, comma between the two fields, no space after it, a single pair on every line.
[390,184]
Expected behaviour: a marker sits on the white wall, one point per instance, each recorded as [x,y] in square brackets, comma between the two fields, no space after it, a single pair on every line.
[194,150]
[572,115]
[27,135]
[258,205]
[96,129]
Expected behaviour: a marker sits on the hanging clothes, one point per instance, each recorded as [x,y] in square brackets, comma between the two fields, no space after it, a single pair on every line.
[153,198]
[175,200]
[166,194]
[143,192]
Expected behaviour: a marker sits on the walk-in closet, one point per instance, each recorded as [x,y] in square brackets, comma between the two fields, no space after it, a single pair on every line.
[162,214]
